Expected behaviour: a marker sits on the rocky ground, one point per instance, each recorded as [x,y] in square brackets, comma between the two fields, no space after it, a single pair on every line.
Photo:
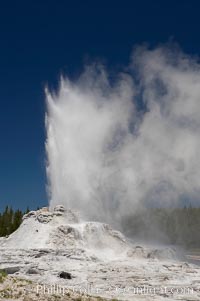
[62,258]
[14,288]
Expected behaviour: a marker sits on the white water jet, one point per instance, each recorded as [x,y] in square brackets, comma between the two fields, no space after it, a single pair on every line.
[105,156]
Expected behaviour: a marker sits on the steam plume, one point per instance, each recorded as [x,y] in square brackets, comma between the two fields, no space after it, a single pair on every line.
[115,145]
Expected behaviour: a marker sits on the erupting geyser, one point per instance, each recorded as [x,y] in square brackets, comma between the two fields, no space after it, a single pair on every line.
[115,144]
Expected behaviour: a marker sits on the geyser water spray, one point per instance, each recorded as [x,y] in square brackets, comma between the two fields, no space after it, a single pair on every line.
[105,156]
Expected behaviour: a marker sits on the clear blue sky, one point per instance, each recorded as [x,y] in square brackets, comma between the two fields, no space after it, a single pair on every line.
[40,39]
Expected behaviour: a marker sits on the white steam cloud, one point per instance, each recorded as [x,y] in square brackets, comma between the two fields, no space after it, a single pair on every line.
[106,157]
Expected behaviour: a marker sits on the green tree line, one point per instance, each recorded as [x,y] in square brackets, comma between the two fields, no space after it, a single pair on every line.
[10,220]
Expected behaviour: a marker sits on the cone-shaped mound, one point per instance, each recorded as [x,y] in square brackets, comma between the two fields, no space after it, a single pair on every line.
[62,229]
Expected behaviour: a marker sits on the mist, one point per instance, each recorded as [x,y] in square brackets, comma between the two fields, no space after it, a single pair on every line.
[119,143]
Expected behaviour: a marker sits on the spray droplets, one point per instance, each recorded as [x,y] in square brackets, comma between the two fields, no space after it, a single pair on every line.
[105,156]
